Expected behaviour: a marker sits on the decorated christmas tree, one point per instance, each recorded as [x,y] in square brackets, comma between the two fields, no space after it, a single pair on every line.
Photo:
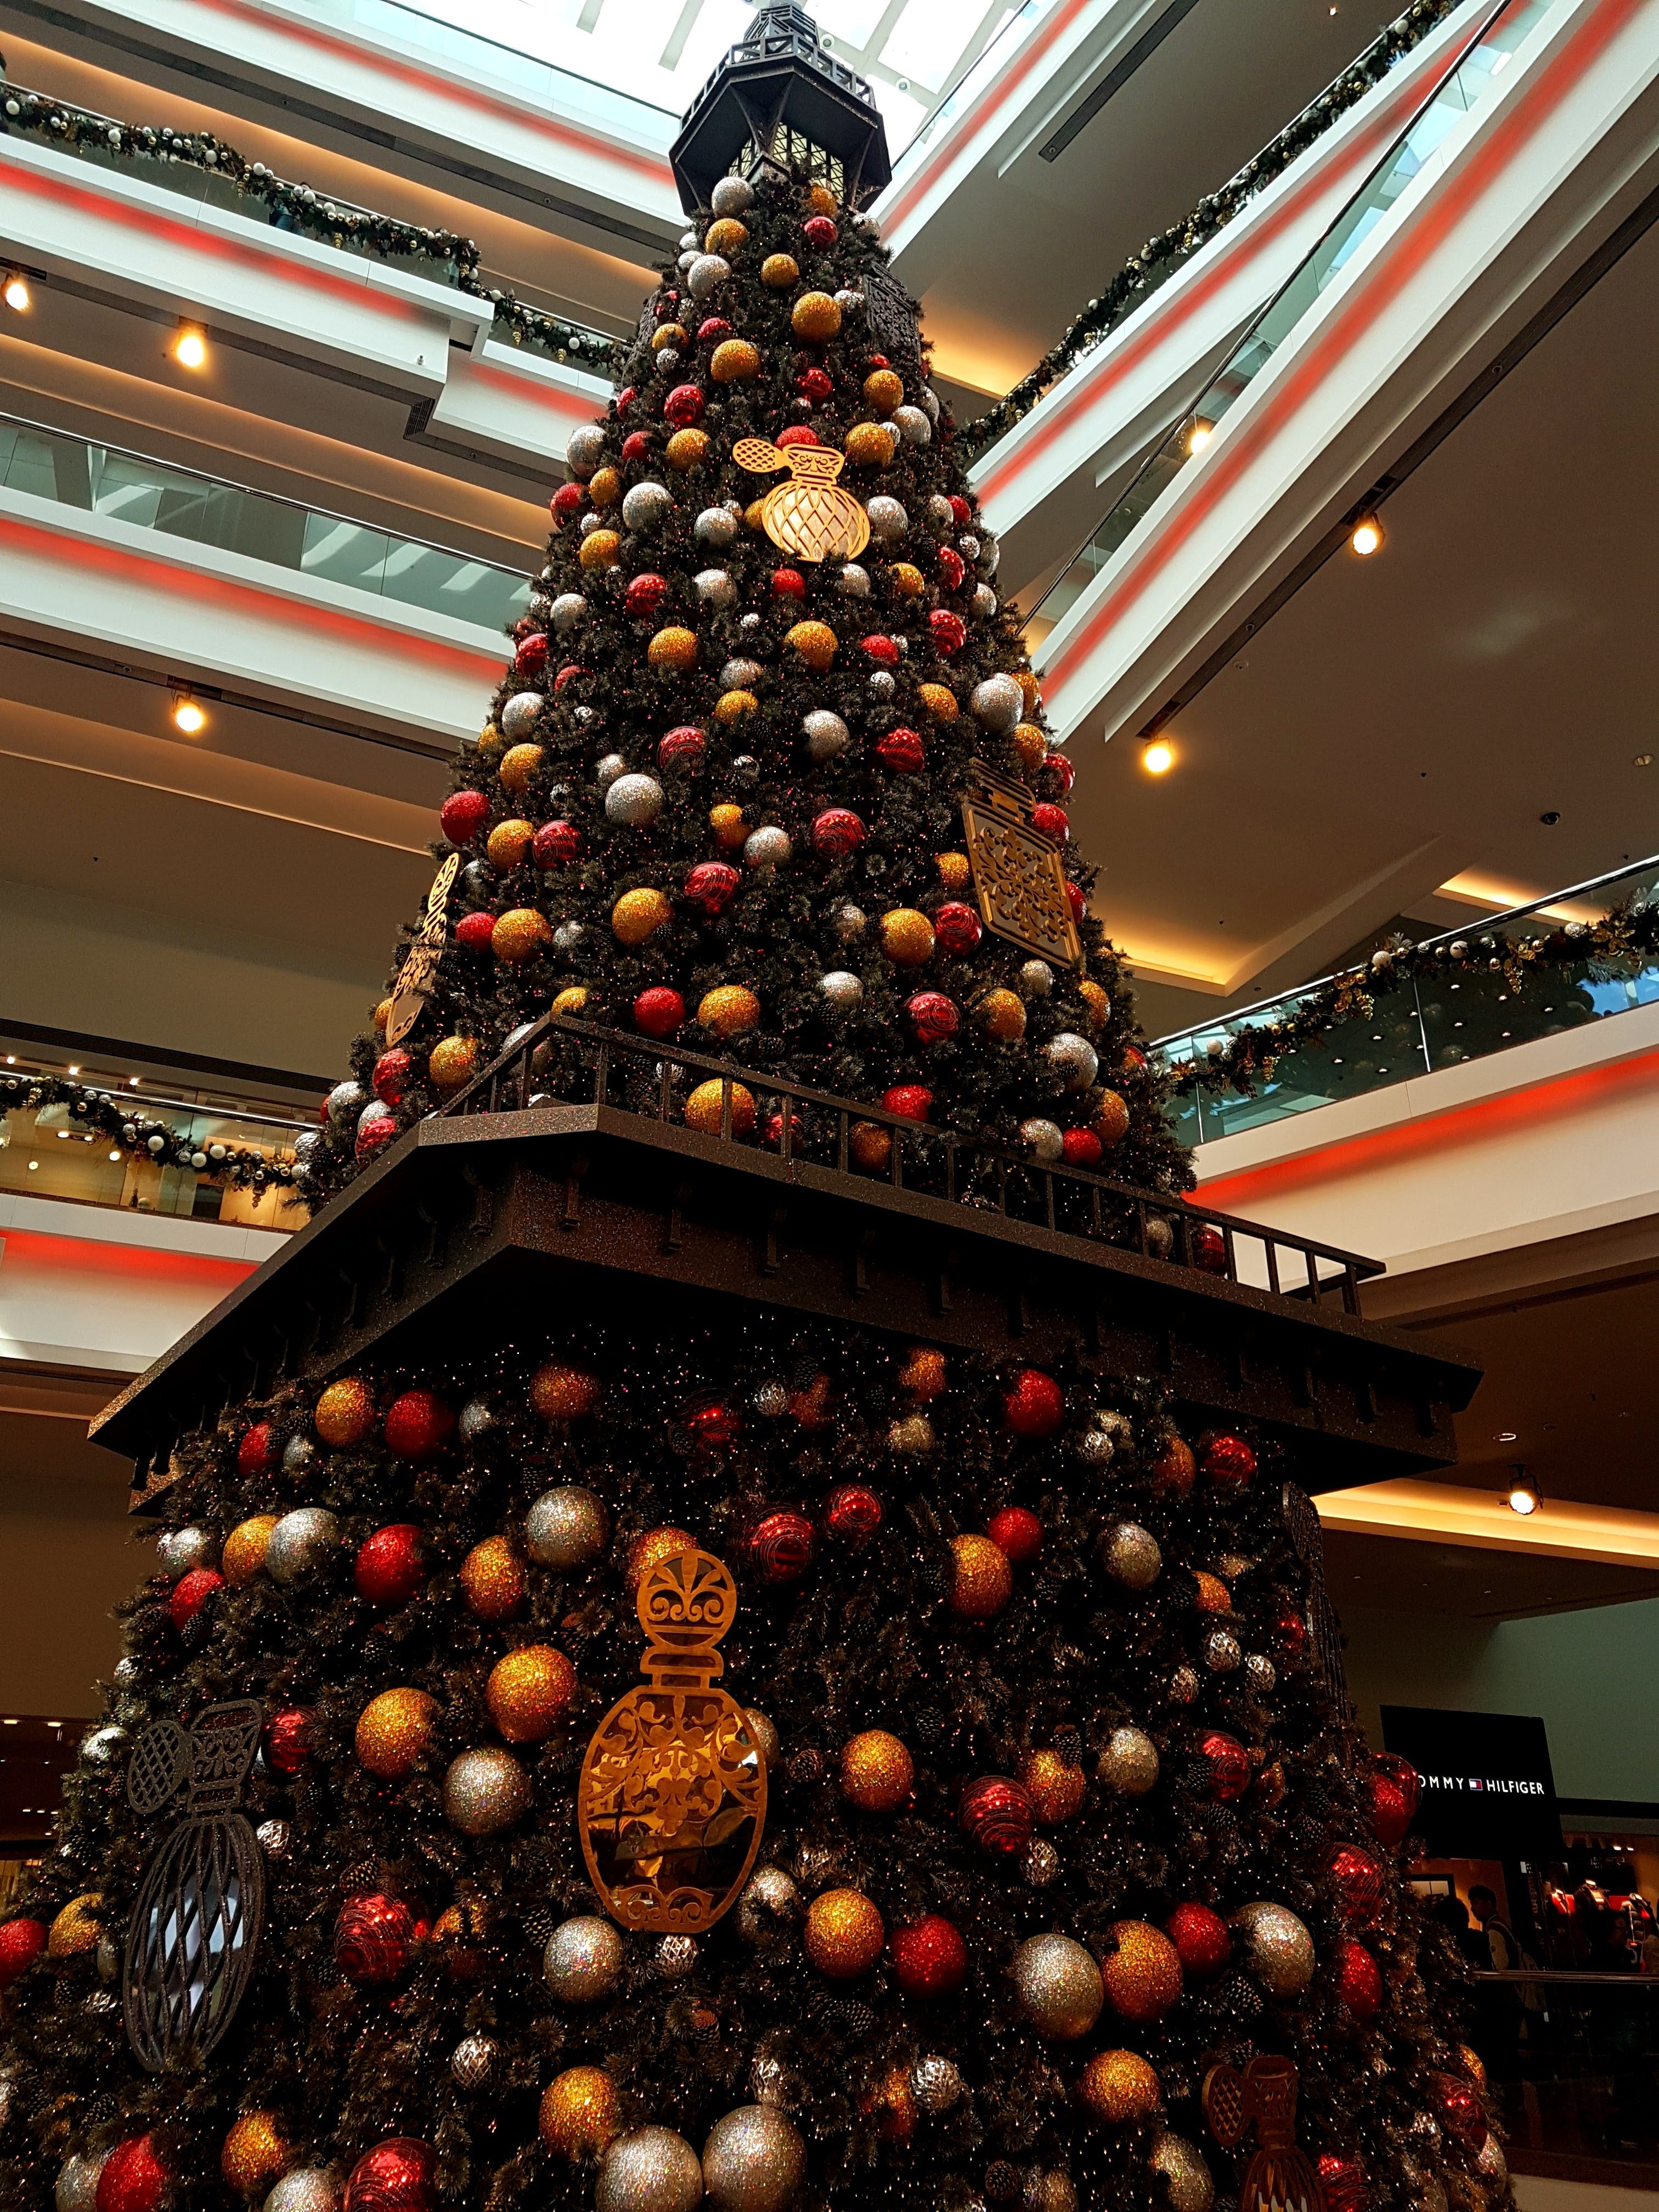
[585,1747]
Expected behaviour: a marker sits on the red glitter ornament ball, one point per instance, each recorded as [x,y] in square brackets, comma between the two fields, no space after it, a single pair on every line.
[1051,821]
[134,2178]
[932,1015]
[1016,1532]
[645,595]
[683,748]
[371,1937]
[21,1942]
[929,1958]
[836,832]
[997,1814]
[903,752]
[636,445]
[1390,1810]
[396,2176]
[816,385]
[568,499]
[1290,1634]
[1359,1879]
[191,1594]
[951,568]
[555,844]
[1229,1763]
[797,433]
[474,933]
[710,331]
[788,584]
[659,1011]
[1342,2184]
[1081,1148]
[819,232]
[376,1130]
[957,927]
[287,1739]
[881,648]
[390,1565]
[1063,770]
[1201,1938]
[949,631]
[1227,1459]
[779,1547]
[625,398]
[392,1070]
[462,815]
[913,1102]
[1358,1979]
[961,514]
[712,885]
[418,1424]
[257,1453]
[851,1513]
[1034,1405]
[531,658]
[684,406]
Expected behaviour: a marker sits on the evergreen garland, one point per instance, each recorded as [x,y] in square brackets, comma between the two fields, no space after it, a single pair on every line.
[112,1117]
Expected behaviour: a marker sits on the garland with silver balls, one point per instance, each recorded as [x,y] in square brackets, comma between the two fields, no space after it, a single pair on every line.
[109,1116]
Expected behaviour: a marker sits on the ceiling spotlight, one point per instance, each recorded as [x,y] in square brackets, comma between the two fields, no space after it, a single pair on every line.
[1524,1497]
[15,292]
[1156,755]
[1366,536]
[188,713]
[1200,435]
[115,1156]
[189,348]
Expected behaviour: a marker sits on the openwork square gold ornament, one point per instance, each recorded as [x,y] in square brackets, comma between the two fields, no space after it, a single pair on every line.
[1018,877]
[811,516]
[416,977]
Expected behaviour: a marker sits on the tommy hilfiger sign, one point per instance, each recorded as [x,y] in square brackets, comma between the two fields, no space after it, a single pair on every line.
[1486,1790]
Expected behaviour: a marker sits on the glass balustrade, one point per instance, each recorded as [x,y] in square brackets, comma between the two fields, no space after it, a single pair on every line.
[1573,2063]
[150,494]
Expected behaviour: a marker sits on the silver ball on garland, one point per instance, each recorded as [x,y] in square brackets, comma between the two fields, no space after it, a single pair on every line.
[1035,980]
[1186,2179]
[1072,1059]
[1041,1862]
[1184,1685]
[715,587]
[770,1903]
[914,427]
[767,848]
[1278,1948]
[1131,1556]
[850,301]
[567,610]
[967,546]
[936,2085]
[274,1838]
[706,275]
[307,2188]
[1221,1651]
[1160,1236]
[300,1457]
[635,801]
[826,734]
[997,704]
[101,1744]
[180,1552]
[941,515]
[716,526]
[584,449]
[1095,1447]
[479,1417]
[985,602]
[1057,1985]
[676,1956]
[754,2160]
[472,2062]
[853,581]
[1129,1762]
[1261,1673]
[591,521]
[566,1528]
[740,675]
[485,1791]
[300,1541]
[519,716]
[308,1149]
[770,1401]
[345,1102]
[583,1960]
[569,938]
[668,360]
[650,2170]
[732,196]
[848,923]
[841,990]
[76,2189]
[881,683]
[1043,1139]
[888,520]
[688,255]
[644,505]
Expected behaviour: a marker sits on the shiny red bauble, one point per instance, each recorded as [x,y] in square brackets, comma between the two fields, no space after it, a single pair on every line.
[257,1453]
[376,1130]
[1201,1938]
[788,584]
[851,1513]
[191,1594]
[569,674]
[881,648]
[462,815]
[1081,1148]
[1359,1879]
[712,329]
[1227,1459]
[1290,1634]
[636,445]
[712,885]
[555,844]
[683,748]
[1342,2184]
[949,631]
[1390,1810]
[819,232]
[1062,769]
[928,1957]
[418,1424]
[1229,1763]
[474,933]
[797,433]
[393,1073]
[951,568]
[287,1741]
[911,1102]
[837,831]
[996,1813]
[531,658]
[659,1011]
[1358,1979]
[902,752]
[714,1423]
[645,594]
[371,1939]
[1458,2105]
[684,406]
[21,1942]
[932,1015]
[816,385]
[625,398]
[390,1564]
[568,499]
[1051,821]
[1016,1532]
[398,2175]
[134,2178]
[1209,1249]
[960,512]
[957,927]
[1034,1405]
[779,1547]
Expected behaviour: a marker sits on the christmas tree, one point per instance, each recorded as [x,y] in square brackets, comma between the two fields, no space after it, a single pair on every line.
[699,1749]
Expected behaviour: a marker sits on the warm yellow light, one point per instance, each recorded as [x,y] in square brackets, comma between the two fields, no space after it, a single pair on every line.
[1523,1498]
[1200,435]
[1367,537]
[115,1156]
[188,714]
[190,347]
[1157,756]
[16,293]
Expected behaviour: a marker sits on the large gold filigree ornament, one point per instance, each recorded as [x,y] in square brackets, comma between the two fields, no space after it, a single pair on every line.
[419,971]
[671,1802]
[811,516]
[1279,2178]
[1019,879]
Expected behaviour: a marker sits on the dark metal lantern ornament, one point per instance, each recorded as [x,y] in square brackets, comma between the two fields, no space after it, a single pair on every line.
[778,104]
[196,1924]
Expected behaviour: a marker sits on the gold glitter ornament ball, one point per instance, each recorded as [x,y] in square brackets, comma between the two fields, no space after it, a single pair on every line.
[529,1692]
[705,1108]
[907,936]
[1143,1974]
[77,1927]
[940,702]
[923,1375]
[345,1413]
[876,1772]
[729,1009]
[724,234]
[733,360]
[394,1731]
[601,549]
[1111,1120]
[814,642]
[868,446]
[1031,747]
[651,1548]
[884,390]
[982,1579]
[244,1550]
[685,449]
[955,871]
[1003,1015]
[485,1791]
[1213,1596]
[519,935]
[1118,2085]
[493,1580]
[637,914]
[452,1061]
[778,271]
[572,1000]
[254,2154]
[518,763]
[1129,1762]
[815,317]
[509,842]
[1056,1790]
[578,2115]
[560,1393]
[1187,2186]
[844,1934]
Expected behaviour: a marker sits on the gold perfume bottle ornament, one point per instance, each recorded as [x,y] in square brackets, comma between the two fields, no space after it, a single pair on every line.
[672,1798]
[419,971]
[1261,2098]
[811,516]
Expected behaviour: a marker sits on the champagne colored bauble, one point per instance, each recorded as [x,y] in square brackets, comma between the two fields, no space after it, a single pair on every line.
[754,2160]
[492,1580]
[728,1010]
[306,2189]
[253,2154]
[814,317]
[1002,1014]
[650,2170]
[394,1732]
[1143,1974]
[562,1393]
[1118,2085]
[583,1961]
[1185,2179]
[76,2189]
[844,1934]
[245,1549]
[734,361]
[345,1413]
[519,933]
[181,1552]
[1058,1986]
[1276,1948]
[77,1928]
[705,1108]
[529,1692]
[451,1063]
[911,1437]
[1055,1787]
[578,2117]
[566,1528]
[876,1772]
[1131,1556]
[981,1580]
[1129,1764]
[484,1792]
[473,2061]
[300,1540]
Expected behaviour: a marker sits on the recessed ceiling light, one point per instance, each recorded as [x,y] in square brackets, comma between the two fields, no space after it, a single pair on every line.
[188,713]
[16,293]
[1366,536]
[1504,1436]
[1643,760]
[115,1156]
[1524,1497]
[1157,756]
[190,347]
[1200,435]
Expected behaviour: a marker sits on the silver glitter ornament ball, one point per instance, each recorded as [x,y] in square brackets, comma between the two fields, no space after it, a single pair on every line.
[706,275]
[997,704]
[1035,979]
[767,848]
[913,426]
[849,923]
[1184,1685]
[300,1458]
[676,1956]
[715,587]
[1130,1555]
[274,1838]
[307,2188]
[1057,1985]
[1072,1059]
[985,602]
[485,1791]
[826,734]
[1041,1862]
[936,2085]
[472,2062]
[1186,2179]
[635,801]
[300,1540]
[644,505]
[770,1903]
[887,520]
[881,683]
[521,715]
[841,990]
[941,515]
[566,1528]
[1045,1139]
[569,938]
[754,2160]
[1261,1673]
[100,1746]
[732,196]
[567,610]
[479,1418]
[1129,1762]
[853,581]
[1221,1651]
[584,449]
[1160,1236]
[180,1551]
[717,527]
[345,1102]
[740,675]
[1278,1949]
[77,2183]
[651,2170]
[583,1958]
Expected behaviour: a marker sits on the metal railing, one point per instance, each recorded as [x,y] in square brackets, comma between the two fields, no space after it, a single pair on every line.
[559,1060]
